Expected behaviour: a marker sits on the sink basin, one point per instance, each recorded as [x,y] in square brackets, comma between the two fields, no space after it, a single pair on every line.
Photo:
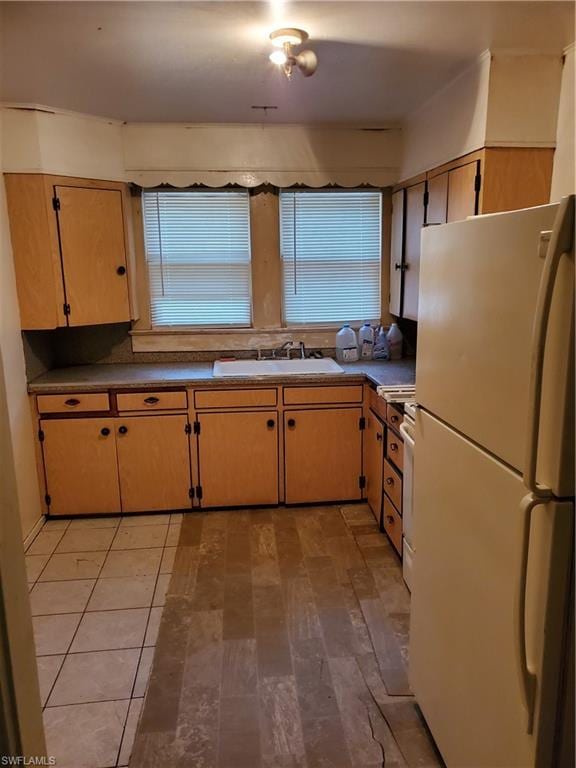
[275,367]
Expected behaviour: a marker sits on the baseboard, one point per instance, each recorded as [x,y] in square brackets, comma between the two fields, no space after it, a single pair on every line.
[34,532]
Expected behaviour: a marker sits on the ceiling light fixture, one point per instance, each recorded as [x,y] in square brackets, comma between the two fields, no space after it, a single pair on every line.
[285,40]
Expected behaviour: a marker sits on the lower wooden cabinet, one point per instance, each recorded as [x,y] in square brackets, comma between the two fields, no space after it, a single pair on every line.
[238,458]
[323,455]
[154,462]
[81,466]
[373,463]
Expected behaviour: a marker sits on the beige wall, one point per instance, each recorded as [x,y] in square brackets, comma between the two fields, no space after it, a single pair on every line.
[505,99]
[20,423]
[450,124]
[563,182]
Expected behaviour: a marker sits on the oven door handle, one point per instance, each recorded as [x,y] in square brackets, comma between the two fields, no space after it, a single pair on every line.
[408,434]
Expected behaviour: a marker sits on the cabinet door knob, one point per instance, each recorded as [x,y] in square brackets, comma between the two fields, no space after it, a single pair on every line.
[390,519]
[389,481]
[123,430]
[378,436]
[72,402]
[270,423]
[397,265]
[291,422]
[393,446]
[151,400]
[105,431]
[121,271]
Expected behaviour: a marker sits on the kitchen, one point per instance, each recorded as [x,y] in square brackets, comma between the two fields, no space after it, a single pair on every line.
[287,383]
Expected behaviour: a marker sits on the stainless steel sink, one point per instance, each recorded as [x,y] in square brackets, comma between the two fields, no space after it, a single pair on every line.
[275,367]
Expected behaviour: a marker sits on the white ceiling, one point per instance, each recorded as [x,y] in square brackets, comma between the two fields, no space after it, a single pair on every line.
[208,61]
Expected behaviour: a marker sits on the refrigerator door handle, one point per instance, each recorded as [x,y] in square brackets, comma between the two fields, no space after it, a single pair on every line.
[560,243]
[528,679]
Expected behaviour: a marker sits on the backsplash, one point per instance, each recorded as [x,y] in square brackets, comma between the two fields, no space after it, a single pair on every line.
[102,344]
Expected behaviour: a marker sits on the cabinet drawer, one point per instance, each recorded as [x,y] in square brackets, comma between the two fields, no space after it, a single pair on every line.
[152,401]
[377,404]
[393,524]
[320,395]
[394,417]
[393,484]
[395,449]
[94,401]
[234,398]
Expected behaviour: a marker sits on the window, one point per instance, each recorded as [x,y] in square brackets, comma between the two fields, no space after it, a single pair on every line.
[331,255]
[198,255]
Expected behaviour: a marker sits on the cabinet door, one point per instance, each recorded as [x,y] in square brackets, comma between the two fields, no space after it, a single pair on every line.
[154,462]
[91,227]
[437,208]
[238,458]
[81,466]
[373,463]
[323,453]
[463,192]
[397,252]
[414,223]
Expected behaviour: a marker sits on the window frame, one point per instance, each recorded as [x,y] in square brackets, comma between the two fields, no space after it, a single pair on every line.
[333,324]
[197,327]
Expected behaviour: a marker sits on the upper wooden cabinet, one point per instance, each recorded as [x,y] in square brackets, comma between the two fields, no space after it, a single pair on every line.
[69,238]
[488,181]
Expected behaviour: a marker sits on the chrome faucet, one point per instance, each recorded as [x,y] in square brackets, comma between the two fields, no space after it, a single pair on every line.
[302,350]
[287,347]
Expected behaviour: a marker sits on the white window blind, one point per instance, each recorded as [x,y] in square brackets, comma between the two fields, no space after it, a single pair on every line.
[331,255]
[198,255]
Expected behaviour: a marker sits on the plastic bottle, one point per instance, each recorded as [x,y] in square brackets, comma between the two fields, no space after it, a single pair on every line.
[366,341]
[346,345]
[381,351]
[395,338]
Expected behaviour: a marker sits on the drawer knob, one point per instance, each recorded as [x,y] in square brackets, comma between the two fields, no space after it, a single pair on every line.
[390,519]
[72,402]
[122,430]
[378,436]
[270,423]
[393,446]
[121,271]
[105,431]
[389,481]
[291,422]
[394,419]
[151,400]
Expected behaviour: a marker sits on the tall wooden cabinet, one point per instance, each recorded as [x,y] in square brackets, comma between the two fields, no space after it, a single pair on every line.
[70,244]
[488,181]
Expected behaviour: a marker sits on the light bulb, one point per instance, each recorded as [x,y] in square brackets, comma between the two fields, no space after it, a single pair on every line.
[279,58]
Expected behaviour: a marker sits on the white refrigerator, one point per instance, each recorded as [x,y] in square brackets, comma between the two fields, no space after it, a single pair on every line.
[494,487]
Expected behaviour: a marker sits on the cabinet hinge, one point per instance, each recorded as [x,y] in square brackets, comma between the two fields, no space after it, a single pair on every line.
[41,435]
[198,491]
[56,203]
[48,499]
[196,427]
[191,492]
[188,429]
[477,182]
[66,308]
[362,481]
[361,423]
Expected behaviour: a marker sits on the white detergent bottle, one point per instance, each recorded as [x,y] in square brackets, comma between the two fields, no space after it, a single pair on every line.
[346,345]
[366,341]
[395,338]
[381,351]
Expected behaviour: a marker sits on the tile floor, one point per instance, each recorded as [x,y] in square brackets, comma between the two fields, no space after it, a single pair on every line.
[97,591]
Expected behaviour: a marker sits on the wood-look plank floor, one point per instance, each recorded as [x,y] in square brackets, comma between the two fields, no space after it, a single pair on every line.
[283,644]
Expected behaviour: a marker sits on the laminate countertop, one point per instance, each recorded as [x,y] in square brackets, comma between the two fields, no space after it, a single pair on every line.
[100,378]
